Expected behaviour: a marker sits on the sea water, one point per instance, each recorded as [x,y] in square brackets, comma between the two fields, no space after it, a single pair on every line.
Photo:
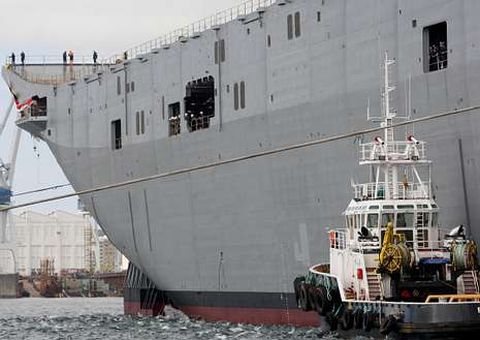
[102,318]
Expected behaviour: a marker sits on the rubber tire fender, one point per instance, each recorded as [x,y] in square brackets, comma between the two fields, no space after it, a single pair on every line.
[346,322]
[358,319]
[303,300]
[388,325]
[323,305]
[367,321]
[296,287]
[332,321]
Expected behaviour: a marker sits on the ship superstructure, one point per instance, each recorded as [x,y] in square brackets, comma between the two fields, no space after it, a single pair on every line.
[392,267]
[224,243]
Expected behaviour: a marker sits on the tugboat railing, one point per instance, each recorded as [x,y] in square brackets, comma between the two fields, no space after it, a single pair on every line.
[397,150]
[404,191]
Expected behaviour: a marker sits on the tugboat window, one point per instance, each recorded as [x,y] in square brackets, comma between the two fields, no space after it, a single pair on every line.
[297,25]
[372,221]
[435,47]
[174,119]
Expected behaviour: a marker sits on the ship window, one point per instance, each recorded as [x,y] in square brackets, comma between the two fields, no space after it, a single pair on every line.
[434,219]
[132,86]
[174,119]
[373,207]
[297,25]
[199,103]
[119,85]
[127,88]
[235,96]
[387,217]
[137,122]
[405,207]
[116,131]
[372,221]
[405,220]
[219,51]
[319,16]
[435,47]
[242,95]
[163,107]
[269,41]
[290,27]
[142,123]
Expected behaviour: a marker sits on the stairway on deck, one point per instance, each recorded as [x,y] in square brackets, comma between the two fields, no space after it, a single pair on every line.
[467,283]
[373,281]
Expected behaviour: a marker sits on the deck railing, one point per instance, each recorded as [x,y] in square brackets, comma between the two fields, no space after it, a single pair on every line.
[398,150]
[372,191]
[193,29]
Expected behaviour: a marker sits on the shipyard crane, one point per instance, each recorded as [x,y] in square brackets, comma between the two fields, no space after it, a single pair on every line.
[7,172]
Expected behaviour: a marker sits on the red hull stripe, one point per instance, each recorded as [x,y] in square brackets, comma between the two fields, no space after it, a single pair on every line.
[256,316]
[135,308]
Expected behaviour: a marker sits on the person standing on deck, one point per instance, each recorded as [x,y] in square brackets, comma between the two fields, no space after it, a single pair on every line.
[70,56]
[64,57]
[22,58]
[95,56]
[12,57]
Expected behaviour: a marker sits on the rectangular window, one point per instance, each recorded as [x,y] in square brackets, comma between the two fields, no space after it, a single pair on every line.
[142,123]
[290,27]
[216,52]
[119,85]
[116,131]
[235,96]
[297,25]
[132,87]
[127,88]
[242,95]
[174,119]
[222,50]
[137,123]
[435,47]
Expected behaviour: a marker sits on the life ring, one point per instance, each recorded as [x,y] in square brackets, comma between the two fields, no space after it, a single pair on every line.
[389,325]
[358,319]
[346,322]
[303,301]
[367,321]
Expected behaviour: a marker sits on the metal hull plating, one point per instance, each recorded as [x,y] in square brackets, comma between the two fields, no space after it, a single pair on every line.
[251,226]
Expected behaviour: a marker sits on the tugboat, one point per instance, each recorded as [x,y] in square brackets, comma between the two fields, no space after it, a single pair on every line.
[393,272]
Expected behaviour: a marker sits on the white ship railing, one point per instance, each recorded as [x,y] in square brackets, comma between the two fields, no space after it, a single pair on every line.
[398,150]
[55,74]
[404,191]
[194,29]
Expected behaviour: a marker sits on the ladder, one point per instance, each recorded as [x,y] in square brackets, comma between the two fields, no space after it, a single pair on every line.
[467,283]
[373,282]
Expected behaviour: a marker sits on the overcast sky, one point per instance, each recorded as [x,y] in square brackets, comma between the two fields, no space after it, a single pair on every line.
[49,27]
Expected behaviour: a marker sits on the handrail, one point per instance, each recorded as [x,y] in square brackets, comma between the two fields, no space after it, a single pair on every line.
[193,29]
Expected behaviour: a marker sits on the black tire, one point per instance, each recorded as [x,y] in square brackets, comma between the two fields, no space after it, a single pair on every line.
[296,287]
[332,321]
[323,304]
[389,325]
[316,299]
[346,322]
[358,319]
[303,301]
[367,321]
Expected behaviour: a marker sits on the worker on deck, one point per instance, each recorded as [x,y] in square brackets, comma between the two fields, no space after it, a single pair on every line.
[22,58]
[12,57]
[95,56]
[70,56]
[64,57]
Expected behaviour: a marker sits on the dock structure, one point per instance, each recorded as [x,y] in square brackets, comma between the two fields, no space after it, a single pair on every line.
[9,286]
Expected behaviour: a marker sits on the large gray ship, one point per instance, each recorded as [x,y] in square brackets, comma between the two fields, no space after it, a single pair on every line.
[225,241]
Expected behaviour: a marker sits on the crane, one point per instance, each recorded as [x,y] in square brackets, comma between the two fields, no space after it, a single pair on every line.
[7,172]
